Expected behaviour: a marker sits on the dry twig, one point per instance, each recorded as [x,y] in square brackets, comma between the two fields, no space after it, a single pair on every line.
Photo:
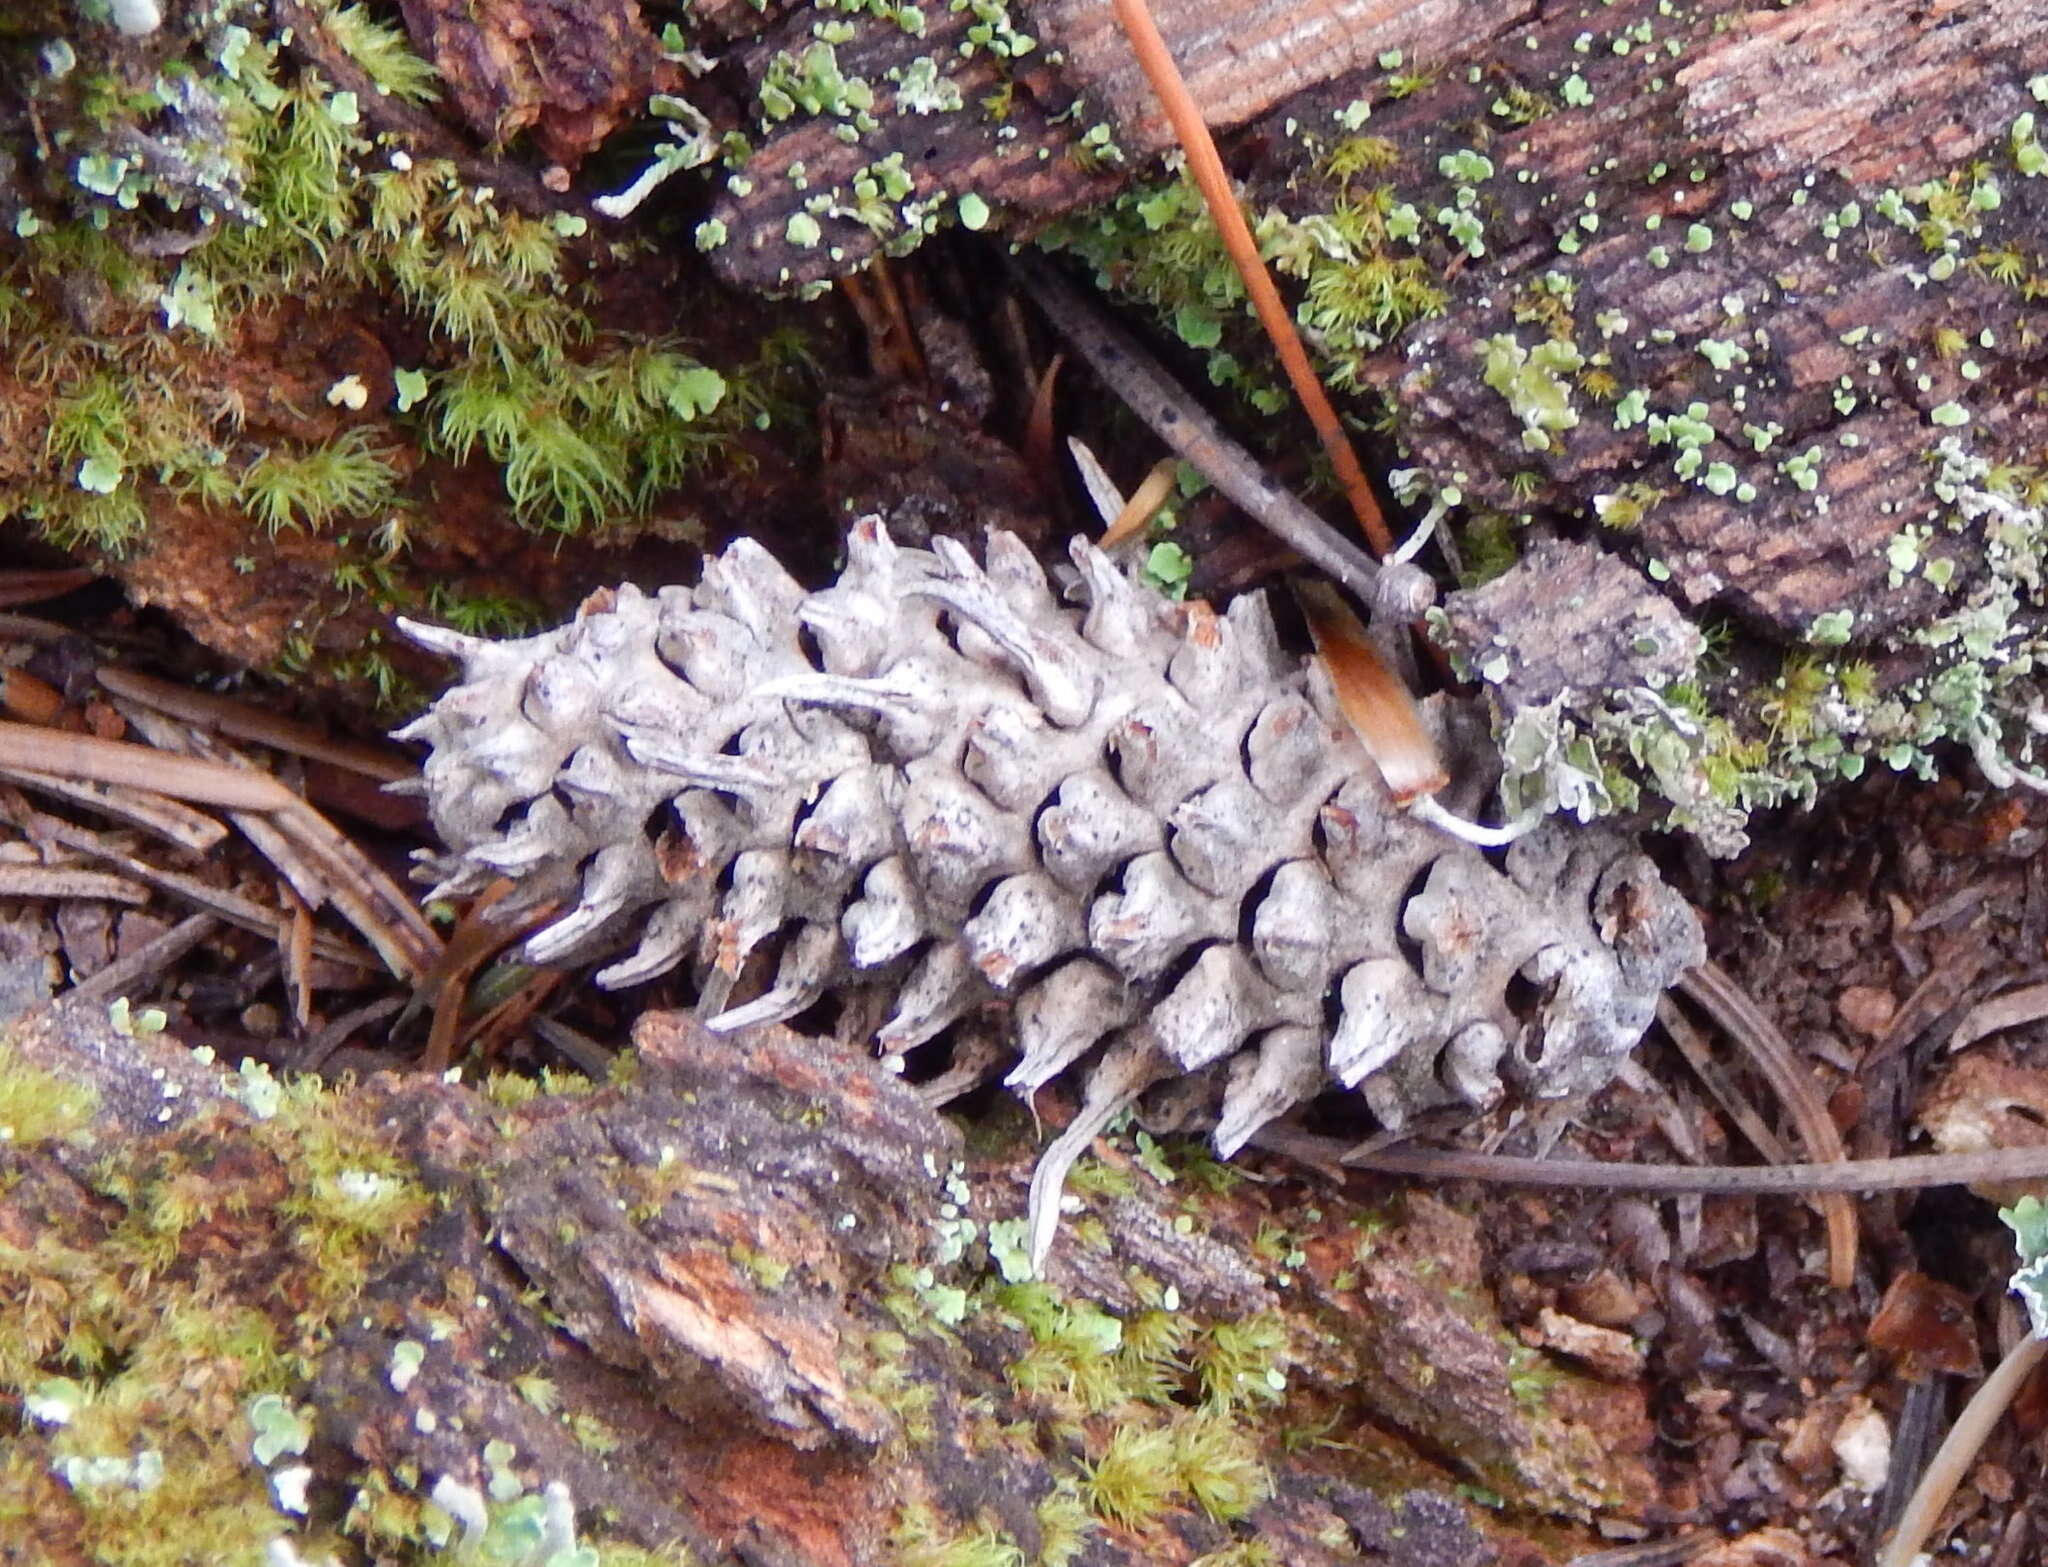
[63,881]
[147,960]
[2010,1009]
[40,750]
[322,863]
[1401,591]
[282,824]
[1692,1044]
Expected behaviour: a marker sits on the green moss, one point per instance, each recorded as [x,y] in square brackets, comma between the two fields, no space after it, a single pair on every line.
[140,1348]
[1242,1363]
[576,449]
[1218,1466]
[311,487]
[381,50]
[38,1106]
[920,1540]
[1135,1479]
[146,300]
[1352,253]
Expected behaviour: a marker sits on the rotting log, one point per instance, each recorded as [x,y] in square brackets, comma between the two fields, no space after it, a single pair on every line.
[1642,127]
[1763,287]
[749,1302]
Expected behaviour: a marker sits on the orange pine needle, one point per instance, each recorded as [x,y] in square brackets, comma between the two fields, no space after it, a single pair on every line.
[1205,166]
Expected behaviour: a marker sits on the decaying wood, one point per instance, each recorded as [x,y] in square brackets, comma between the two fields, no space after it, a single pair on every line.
[710,1266]
[1575,625]
[1798,113]
[571,73]
[1239,62]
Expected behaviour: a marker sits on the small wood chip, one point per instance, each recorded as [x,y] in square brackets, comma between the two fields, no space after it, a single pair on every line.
[134,971]
[1868,1009]
[31,700]
[1607,1352]
[59,881]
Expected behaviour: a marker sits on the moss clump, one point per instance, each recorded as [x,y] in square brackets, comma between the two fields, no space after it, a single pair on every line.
[138,1334]
[38,1106]
[1146,1413]
[1354,253]
[921,1540]
[238,292]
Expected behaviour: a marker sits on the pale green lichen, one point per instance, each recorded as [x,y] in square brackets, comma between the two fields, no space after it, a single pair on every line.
[1533,381]
[1713,753]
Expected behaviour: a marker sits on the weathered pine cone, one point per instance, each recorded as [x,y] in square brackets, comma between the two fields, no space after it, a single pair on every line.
[1136,821]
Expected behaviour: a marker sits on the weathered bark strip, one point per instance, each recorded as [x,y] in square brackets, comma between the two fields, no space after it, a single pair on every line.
[1829,319]
[1886,93]
[718,1304]
[1241,60]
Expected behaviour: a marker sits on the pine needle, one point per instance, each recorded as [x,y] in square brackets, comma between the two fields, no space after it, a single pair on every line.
[1205,167]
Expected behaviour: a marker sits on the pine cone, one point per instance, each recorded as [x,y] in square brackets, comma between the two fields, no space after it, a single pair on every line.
[1137,821]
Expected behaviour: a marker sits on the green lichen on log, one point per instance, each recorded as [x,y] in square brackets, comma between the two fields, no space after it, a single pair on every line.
[153,1300]
[1797,395]
[743,1298]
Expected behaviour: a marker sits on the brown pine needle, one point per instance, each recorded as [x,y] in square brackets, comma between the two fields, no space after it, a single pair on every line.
[119,762]
[1771,1053]
[1901,1173]
[31,587]
[1038,434]
[1205,167]
[1959,1450]
[247,722]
